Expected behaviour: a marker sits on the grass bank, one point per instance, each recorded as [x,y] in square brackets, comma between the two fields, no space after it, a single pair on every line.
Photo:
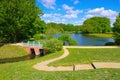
[81,56]
[109,35]
[10,53]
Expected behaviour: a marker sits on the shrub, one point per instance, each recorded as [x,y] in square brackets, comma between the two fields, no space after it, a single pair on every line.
[110,44]
[67,40]
[52,45]
[73,42]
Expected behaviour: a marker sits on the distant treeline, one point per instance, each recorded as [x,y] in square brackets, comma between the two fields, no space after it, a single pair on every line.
[91,25]
[60,28]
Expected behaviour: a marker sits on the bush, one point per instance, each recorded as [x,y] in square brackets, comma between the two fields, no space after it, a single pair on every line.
[64,37]
[73,42]
[52,45]
[117,39]
[110,44]
[67,40]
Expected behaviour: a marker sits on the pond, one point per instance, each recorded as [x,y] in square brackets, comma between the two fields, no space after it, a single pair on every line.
[87,40]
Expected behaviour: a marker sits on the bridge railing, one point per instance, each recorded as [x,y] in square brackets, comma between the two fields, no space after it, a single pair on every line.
[32,44]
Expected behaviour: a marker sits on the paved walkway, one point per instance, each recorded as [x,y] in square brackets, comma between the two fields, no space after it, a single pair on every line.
[43,65]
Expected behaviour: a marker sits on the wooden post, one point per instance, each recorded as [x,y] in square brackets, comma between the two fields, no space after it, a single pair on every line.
[93,66]
[73,67]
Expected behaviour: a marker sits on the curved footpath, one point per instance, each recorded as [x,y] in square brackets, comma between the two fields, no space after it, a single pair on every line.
[43,65]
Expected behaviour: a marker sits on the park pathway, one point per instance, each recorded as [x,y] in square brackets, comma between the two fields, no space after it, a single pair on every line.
[43,65]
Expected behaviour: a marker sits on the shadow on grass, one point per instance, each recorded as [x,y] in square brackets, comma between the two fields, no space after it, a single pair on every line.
[2,44]
[17,59]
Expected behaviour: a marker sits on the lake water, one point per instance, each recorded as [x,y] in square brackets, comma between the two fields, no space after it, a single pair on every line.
[88,41]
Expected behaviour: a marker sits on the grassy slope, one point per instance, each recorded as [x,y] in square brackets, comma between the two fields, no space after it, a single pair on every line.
[101,35]
[9,51]
[78,56]
[23,71]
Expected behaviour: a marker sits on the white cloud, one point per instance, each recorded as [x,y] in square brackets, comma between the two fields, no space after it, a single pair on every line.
[76,1]
[70,13]
[47,15]
[98,12]
[56,17]
[48,3]
[66,7]
[102,12]
[51,15]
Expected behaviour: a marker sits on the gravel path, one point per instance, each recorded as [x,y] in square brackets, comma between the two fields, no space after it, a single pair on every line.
[43,65]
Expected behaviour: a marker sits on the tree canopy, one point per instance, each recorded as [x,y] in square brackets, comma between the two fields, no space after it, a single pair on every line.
[116,29]
[96,25]
[53,28]
[17,18]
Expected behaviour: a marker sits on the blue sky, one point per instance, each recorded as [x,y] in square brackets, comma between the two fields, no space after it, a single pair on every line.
[77,11]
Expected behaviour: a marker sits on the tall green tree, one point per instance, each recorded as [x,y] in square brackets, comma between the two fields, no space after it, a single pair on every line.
[39,25]
[16,19]
[116,29]
[96,25]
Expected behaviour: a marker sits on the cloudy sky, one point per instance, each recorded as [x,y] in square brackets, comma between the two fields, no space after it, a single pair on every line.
[76,11]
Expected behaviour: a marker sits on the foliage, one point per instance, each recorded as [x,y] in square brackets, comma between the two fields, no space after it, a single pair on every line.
[52,45]
[103,35]
[64,38]
[96,25]
[40,26]
[110,44]
[53,28]
[17,18]
[67,40]
[73,42]
[116,29]
[39,37]
[88,55]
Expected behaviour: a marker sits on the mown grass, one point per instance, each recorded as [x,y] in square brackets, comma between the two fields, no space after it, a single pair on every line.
[81,56]
[110,35]
[23,71]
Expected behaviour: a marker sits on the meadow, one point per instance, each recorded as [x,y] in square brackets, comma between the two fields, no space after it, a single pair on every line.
[103,35]
[84,55]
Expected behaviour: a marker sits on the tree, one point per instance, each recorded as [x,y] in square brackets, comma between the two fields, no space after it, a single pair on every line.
[96,25]
[38,37]
[17,18]
[52,45]
[116,29]
[67,40]
[39,25]
[53,28]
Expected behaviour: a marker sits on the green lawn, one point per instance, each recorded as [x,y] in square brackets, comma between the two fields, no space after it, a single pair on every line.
[110,35]
[10,51]
[78,56]
[23,71]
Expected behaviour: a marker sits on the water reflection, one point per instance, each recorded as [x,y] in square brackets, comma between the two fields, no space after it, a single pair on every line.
[17,59]
[87,40]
